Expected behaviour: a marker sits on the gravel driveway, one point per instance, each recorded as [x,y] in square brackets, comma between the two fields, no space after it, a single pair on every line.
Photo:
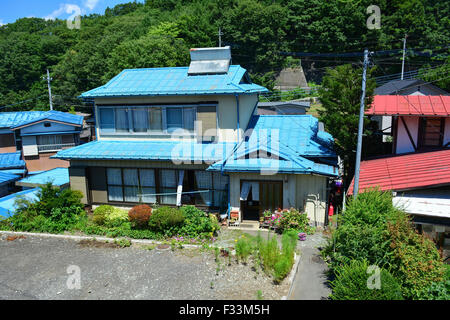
[37,268]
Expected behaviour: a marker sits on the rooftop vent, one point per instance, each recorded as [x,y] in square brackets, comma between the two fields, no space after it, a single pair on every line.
[210,60]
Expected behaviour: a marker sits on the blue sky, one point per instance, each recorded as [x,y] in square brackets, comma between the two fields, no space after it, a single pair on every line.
[10,10]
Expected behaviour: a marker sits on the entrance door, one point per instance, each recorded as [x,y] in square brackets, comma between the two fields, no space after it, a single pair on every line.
[270,197]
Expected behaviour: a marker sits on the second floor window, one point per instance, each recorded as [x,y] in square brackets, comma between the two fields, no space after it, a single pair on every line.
[431,132]
[146,119]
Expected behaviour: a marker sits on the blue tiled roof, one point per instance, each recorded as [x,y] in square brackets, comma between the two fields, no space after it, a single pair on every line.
[58,177]
[7,204]
[174,81]
[19,172]
[11,160]
[65,117]
[18,119]
[147,150]
[8,177]
[290,144]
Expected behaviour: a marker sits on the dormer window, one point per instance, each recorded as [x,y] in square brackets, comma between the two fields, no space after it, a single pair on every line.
[47,124]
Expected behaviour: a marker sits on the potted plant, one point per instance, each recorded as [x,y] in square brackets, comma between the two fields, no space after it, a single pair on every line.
[267,216]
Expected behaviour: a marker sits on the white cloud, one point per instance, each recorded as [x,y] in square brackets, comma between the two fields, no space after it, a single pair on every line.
[64,8]
[91,4]
[1,23]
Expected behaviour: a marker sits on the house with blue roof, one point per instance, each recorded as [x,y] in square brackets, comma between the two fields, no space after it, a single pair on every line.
[191,135]
[39,135]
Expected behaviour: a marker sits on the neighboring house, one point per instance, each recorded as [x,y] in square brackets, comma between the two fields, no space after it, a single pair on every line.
[12,168]
[421,186]
[58,177]
[39,135]
[419,171]
[168,136]
[8,203]
[283,107]
[420,123]
[403,88]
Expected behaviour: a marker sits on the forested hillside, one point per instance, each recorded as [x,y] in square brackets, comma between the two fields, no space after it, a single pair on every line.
[159,33]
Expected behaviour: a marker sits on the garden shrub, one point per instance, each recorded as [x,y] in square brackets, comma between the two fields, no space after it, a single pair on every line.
[116,218]
[269,253]
[140,215]
[54,211]
[282,267]
[244,248]
[351,284]
[293,220]
[362,232]
[415,260]
[197,222]
[166,220]
[100,213]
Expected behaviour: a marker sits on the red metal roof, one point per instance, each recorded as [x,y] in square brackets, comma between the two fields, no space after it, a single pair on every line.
[410,105]
[405,171]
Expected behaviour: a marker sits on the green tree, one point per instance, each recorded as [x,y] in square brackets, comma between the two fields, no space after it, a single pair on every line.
[340,96]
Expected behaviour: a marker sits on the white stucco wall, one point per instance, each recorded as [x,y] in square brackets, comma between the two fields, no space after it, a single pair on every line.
[404,144]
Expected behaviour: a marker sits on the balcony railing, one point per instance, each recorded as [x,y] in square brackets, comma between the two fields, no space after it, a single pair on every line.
[54,147]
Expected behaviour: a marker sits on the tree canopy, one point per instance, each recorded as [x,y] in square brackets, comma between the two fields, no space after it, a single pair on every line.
[159,33]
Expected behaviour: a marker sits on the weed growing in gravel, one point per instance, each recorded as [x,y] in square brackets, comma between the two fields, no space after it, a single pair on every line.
[123,243]
[259,295]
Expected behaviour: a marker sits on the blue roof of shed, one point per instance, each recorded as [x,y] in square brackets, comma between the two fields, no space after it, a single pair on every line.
[7,204]
[8,177]
[147,150]
[21,118]
[11,160]
[58,177]
[175,81]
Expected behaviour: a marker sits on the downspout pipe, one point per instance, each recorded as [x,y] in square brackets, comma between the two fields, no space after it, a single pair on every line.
[238,119]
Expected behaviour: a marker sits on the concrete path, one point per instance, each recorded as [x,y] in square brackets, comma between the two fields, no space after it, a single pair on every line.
[310,282]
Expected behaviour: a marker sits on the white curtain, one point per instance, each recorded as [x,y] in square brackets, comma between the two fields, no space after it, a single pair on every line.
[140,120]
[130,177]
[122,120]
[189,118]
[169,185]
[147,180]
[245,190]
[155,115]
[114,176]
[204,182]
[147,177]
[255,191]
[115,193]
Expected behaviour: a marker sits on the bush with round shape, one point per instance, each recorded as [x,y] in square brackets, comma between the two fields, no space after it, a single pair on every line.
[140,215]
[101,213]
[351,283]
[166,220]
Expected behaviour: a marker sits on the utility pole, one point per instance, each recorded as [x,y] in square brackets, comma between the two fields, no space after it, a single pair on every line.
[361,125]
[49,88]
[404,53]
[220,37]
